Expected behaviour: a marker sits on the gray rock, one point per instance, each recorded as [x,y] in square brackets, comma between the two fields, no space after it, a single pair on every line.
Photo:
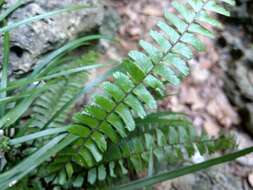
[236,59]
[223,177]
[244,141]
[30,42]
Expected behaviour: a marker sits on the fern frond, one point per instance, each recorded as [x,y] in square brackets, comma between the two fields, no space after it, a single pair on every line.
[165,136]
[138,155]
[111,115]
[63,90]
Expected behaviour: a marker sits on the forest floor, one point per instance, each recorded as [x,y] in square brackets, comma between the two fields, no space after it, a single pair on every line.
[201,95]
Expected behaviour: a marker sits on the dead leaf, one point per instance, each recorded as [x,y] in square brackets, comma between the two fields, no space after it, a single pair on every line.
[220,108]
[152,11]
[200,74]
[250,179]
[211,127]
[190,96]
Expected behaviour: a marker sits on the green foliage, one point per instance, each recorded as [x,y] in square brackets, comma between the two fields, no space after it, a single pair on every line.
[63,90]
[148,181]
[4,77]
[19,95]
[171,139]
[132,92]
[4,144]
[167,137]
[119,133]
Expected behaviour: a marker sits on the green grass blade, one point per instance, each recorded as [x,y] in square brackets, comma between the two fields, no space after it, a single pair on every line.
[13,115]
[27,93]
[61,51]
[4,77]
[12,8]
[12,26]
[23,82]
[182,171]
[37,135]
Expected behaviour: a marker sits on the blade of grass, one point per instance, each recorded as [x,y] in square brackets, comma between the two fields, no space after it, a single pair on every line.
[25,94]
[23,82]
[45,62]
[12,8]
[39,134]
[11,116]
[12,26]
[182,171]
[4,78]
